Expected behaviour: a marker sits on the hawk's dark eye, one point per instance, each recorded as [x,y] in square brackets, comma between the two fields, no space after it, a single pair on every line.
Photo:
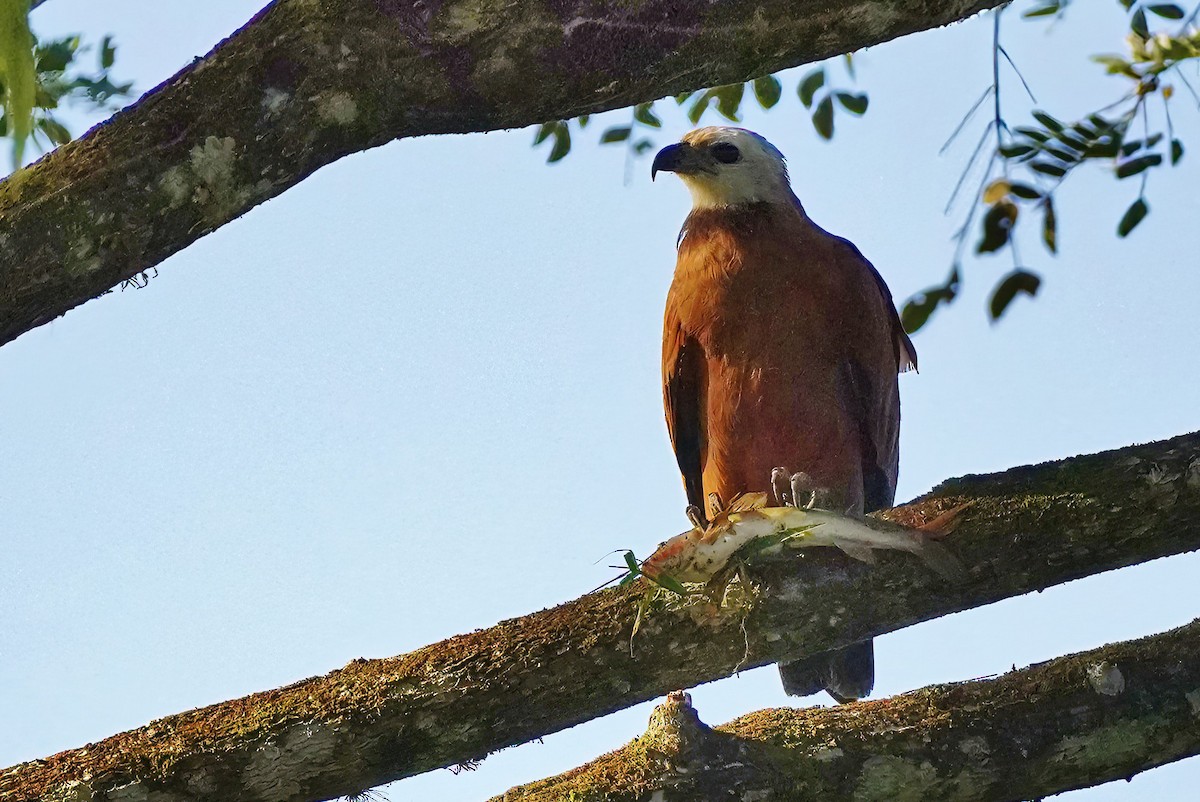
[725,153]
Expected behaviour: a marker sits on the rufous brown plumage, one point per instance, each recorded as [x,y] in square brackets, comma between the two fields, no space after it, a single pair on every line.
[781,347]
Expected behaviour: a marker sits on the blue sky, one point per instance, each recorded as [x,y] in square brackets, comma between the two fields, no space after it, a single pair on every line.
[245,474]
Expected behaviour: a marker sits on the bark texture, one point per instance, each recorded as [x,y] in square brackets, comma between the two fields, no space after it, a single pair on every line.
[380,720]
[1070,723]
[308,81]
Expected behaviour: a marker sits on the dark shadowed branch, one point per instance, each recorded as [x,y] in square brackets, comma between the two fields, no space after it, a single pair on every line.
[459,700]
[308,81]
[1070,723]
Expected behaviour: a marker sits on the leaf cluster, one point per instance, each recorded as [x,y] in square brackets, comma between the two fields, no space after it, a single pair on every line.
[1031,162]
[61,77]
[815,91]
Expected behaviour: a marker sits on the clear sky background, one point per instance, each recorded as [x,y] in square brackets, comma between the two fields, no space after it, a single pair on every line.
[245,474]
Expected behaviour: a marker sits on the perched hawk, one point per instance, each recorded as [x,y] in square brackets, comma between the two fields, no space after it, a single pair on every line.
[781,346]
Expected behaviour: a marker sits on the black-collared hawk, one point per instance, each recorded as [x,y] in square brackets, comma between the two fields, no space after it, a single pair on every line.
[781,347]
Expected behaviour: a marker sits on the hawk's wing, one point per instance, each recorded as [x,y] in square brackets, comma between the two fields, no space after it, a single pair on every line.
[873,403]
[873,400]
[684,389]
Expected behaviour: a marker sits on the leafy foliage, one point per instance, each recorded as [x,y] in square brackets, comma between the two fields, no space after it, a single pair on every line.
[1025,165]
[815,91]
[38,77]
[1031,162]
[16,61]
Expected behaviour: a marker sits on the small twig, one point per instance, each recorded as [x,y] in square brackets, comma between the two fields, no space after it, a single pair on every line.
[1190,88]
[1017,70]
[967,170]
[1183,26]
[966,119]
[997,117]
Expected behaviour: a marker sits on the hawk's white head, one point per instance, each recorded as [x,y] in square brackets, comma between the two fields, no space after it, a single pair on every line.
[725,166]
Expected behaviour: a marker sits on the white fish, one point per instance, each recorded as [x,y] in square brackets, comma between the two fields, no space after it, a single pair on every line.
[697,555]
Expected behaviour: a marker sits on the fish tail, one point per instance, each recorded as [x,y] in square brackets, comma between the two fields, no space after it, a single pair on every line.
[941,560]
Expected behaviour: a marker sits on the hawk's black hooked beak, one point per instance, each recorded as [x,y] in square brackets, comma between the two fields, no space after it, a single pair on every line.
[678,158]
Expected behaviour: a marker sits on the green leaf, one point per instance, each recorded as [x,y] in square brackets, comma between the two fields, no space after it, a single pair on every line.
[700,106]
[822,118]
[921,306]
[1036,134]
[997,225]
[670,583]
[1135,166]
[1133,215]
[848,60]
[916,313]
[1013,151]
[729,100]
[1049,226]
[631,563]
[618,134]
[57,55]
[583,120]
[1048,168]
[1115,65]
[1175,49]
[1085,131]
[544,131]
[1137,24]
[642,146]
[1061,155]
[20,72]
[1108,149]
[855,103]
[1176,151]
[644,113]
[57,132]
[1166,10]
[1017,281]
[562,143]
[1025,191]
[108,53]
[809,86]
[1048,121]
[1042,11]
[767,90]
[1073,142]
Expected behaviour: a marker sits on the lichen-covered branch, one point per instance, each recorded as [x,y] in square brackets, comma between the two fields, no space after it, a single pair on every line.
[308,81]
[1069,723]
[379,720]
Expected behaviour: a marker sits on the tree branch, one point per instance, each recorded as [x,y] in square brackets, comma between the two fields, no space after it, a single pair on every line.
[380,720]
[308,81]
[1069,723]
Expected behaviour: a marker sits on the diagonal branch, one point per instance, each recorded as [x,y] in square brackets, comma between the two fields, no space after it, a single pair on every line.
[1070,723]
[306,82]
[380,720]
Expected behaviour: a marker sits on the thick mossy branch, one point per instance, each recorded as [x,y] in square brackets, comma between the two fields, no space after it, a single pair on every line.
[1070,723]
[308,81]
[379,720]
